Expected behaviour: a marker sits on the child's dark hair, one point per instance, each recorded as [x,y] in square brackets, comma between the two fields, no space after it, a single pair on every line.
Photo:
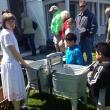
[71,37]
[103,48]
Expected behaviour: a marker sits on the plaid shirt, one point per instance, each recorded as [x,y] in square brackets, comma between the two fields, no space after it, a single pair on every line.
[86,23]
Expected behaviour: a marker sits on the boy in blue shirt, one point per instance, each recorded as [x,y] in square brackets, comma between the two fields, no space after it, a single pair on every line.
[73,52]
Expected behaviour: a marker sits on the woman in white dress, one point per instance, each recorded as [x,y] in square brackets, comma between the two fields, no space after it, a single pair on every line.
[11,73]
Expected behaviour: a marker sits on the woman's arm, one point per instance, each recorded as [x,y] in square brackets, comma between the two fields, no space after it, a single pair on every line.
[17,55]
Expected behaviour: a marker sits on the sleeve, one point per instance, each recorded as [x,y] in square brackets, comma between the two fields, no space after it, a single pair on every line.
[8,40]
[96,76]
[94,25]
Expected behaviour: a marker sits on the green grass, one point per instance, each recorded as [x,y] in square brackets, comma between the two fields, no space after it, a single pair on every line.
[44,101]
[93,56]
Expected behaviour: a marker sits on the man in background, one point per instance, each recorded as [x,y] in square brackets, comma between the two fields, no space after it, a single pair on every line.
[28,32]
[87,26]
[56,25]
[107,12]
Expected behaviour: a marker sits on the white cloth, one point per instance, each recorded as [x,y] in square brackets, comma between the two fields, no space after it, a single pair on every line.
[11,72]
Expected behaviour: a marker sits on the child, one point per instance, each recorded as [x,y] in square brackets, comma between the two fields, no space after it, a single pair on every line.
[73,52]
[72,27]
[68,25]
[99,79]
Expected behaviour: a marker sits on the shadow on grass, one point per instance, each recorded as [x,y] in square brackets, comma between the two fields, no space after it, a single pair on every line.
[43,101]
[50,102]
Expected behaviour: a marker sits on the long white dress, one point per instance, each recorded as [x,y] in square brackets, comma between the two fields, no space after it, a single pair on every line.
[11,73]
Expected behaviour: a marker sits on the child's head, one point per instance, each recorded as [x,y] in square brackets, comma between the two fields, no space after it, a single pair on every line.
[102,51]
[70,22]
[70,39]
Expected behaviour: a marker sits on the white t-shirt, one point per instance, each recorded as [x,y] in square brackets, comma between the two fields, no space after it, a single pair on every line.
[7,38]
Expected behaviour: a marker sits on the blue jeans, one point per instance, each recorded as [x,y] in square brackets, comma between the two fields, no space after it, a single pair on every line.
[30,39]
[86,45]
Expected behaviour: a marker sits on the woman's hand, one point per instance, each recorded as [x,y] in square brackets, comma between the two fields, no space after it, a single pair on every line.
[24,64]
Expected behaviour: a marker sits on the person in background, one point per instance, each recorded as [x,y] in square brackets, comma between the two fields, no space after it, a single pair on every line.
[56,25]
[99,77]
[71,26]
[11,72]
[65,16]
[87,26]
[107,12]
[73,52]
[28,32]
[68,26]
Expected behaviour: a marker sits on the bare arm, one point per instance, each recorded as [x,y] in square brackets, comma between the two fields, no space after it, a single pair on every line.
[17,55]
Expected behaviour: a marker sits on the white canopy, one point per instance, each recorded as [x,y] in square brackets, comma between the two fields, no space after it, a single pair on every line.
[36,12]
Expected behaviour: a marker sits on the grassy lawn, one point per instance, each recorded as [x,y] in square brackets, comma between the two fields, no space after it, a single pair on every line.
[93,56]
[44,101]
[47,102]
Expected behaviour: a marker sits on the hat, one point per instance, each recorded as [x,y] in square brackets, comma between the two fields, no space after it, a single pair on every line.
[53,8]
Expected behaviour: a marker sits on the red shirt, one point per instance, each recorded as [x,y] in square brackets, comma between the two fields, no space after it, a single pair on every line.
[64,27]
